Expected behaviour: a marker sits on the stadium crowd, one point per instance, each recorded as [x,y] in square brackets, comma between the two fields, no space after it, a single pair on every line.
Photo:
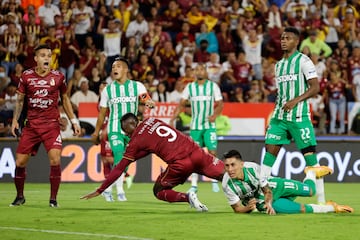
[164,40]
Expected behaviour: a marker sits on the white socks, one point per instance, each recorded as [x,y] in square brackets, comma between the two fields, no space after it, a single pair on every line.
[310,175]
[120,183]
[320,191]
[322,208]
[194,179]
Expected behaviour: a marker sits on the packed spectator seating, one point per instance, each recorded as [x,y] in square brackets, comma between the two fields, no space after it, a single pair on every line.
[239,40]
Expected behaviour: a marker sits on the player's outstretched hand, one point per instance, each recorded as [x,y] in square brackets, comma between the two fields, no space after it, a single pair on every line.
[269,209]
[251,204]
[90,195]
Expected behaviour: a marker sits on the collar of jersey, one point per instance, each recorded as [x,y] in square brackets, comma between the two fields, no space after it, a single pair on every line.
[116,82]
[293,55]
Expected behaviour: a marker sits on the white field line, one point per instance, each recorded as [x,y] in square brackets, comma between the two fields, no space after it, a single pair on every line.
[73,233]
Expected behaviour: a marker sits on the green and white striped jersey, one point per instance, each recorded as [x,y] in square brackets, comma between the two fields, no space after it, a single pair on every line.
[243,190]
[202,99]
[291,75]
[121,99]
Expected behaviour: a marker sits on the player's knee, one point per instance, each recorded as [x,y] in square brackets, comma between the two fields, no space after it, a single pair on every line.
[308,150]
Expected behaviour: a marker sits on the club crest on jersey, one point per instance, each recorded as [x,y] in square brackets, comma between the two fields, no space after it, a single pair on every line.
[52,82]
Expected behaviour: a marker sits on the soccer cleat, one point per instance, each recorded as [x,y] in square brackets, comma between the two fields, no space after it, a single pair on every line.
[215,187]
[195,203]
[53,204]
[193,189]
[340,208]
[320,171]
[108,196]
[17,202]
[122,197]
[129,181]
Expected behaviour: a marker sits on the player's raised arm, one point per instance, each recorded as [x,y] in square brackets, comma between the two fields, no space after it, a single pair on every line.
[146,99]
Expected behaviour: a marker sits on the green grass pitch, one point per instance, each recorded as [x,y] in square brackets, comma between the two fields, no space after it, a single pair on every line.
[144,217]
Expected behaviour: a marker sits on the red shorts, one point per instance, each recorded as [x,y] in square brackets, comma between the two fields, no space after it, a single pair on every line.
[105,149]
[198,161]
[31,138]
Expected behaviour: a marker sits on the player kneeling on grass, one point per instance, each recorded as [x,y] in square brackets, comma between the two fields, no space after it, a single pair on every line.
[241,186]
[180,152]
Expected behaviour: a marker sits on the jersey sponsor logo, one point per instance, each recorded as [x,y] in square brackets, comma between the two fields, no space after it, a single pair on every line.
[41,92]
[200,98]
[32,81]
[40,103]
[123,100]
[273,136]
[286,78]
[41,82]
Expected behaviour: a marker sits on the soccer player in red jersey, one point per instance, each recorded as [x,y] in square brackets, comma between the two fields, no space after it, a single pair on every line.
[180,152]
[41,87]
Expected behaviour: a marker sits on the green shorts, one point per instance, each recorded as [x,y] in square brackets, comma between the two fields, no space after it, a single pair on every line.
[287,188]
[118,143]
[281,132]
[205,138]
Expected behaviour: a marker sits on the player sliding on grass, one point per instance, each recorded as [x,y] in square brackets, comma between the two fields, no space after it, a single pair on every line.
[182,155]
[241,185]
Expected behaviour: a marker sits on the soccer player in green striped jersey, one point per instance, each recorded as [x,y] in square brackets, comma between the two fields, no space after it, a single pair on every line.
[241,185]
[120,97]
[296,81]
[206,104]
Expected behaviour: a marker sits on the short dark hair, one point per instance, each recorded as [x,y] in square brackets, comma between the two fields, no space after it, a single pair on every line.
[232,153]
[292,30]
[128,116]
[122,59]
[42,46]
